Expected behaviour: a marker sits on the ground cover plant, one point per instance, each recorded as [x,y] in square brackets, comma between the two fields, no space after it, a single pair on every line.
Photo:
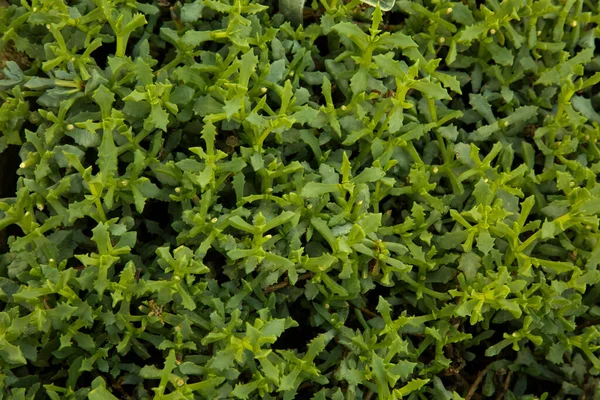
[211,199]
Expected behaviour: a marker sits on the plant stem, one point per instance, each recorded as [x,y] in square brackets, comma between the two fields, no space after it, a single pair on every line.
[505,386]
[477,382]
[286,283]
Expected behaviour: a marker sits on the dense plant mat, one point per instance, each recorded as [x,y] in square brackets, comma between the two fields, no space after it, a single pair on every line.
[213,202]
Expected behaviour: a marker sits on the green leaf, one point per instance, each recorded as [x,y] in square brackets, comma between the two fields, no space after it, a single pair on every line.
[384,308]
[485,242]
[497,348]
[397,40]
[99,391]
[323,229]
[143,72]
[11,353]
[107,155]
[554,75]
[279,220]
[380,375]
[158,118]
[243,391]
[352,376]
[104,98]
[85,138]
[191,12]
[196,38]
[182,95]
[501,55]
[223,360]
[317,345]
[311,291]
[247,67]
[403,368]
[557,353]
[315,189]
[242,225]
[431,90]
[522,114]
[101,237]
[289,381]
[472,32]
[469,264]
[292,10]
[369,175]
[412,386]
[389,65]
[548,230]
[449,132]
[335,287]
[462,14]
[206,105]
[37,83]
[352,31]
[209,133]
[275,327]
[358,83]
[586,108]
[483,107]
[276,71]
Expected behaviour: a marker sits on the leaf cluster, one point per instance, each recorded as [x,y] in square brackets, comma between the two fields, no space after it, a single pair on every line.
[215,203]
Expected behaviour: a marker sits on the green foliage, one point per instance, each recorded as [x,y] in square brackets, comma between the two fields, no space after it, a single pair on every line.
[213,203]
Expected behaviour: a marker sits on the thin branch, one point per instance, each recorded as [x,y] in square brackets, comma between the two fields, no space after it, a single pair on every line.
[505,386]
[45,303]
[365,311]
[477,382]
[286,282]
[588,323]
[368,312]
[305,385]
[462,382]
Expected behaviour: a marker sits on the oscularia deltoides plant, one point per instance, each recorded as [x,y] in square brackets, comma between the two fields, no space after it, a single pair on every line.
[217,199]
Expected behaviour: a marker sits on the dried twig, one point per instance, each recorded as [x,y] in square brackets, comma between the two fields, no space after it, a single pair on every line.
[45,303]
[368,312]
[365,311]
[505,386]
[305,385]
[477,382]
[461,381]
[286,283]
[588,323]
